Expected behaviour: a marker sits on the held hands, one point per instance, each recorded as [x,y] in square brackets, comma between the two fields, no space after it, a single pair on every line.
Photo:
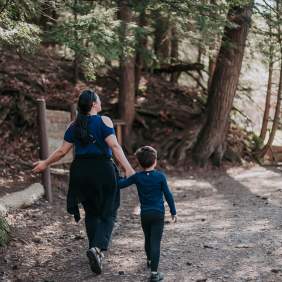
[129,171]
[174,218]
[39,166]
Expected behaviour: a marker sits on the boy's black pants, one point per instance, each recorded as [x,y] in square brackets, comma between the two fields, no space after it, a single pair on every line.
[153,225]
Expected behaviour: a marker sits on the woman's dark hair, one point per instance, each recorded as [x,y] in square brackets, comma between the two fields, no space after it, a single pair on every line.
[84,105]
[146,156]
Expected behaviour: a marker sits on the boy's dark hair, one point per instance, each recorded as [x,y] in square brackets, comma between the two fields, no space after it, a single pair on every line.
[146,156]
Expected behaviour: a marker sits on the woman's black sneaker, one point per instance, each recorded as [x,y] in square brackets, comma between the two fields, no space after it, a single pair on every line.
[159,276]
[95,260]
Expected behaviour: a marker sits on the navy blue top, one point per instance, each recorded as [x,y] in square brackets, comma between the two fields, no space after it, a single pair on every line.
[99,130]
[151,186]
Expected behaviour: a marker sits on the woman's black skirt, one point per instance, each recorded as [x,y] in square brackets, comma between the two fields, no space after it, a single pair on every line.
[93,180]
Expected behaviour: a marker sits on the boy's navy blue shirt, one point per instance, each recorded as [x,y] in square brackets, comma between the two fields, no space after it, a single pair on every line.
[151,187]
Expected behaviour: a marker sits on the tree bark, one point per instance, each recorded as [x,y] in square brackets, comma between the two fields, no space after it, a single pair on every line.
[212,64]
[127,76]
[276,119]
[174,53]
[199,60]
[76,55]
[211,140]
[212,56]
[268,92]
[162,38]
[141,46]
[267,102]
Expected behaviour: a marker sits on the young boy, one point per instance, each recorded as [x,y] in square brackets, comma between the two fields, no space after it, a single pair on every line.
[151,185]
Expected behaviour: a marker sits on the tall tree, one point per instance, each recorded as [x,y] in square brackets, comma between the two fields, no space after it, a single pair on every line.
[211,140]
[141,44]
[269,89]
[213,49]
[127,74]
[174,52]
[76,52]
[276,119]
[162,37]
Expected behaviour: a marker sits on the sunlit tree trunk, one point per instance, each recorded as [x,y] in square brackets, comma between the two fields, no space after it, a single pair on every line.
[276,119]
[268,92]
[211,140]
[127,76]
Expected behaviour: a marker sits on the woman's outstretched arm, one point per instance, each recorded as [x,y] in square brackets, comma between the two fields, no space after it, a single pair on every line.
[59,153]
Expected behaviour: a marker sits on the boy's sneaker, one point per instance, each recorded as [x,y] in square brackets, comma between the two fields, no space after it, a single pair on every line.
[95,260]
[159,276]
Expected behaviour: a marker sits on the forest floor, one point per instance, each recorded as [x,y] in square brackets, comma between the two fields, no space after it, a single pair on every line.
[229,229]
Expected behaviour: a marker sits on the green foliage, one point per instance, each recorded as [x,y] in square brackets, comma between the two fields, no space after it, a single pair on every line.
[257,142]
[267,30]
[89,31]
[4,231]
[15,29]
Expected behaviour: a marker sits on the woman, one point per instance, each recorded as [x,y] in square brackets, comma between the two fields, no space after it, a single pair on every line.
[93,179]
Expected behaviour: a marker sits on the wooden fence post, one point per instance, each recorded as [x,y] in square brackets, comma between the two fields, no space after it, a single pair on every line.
[73,112]
[119,124]
[73,117]
[44,148]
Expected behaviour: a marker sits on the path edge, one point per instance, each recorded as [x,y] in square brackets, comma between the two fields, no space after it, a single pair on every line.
[23,198]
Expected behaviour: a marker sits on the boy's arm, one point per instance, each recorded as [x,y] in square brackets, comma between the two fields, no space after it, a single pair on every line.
[168,196]
[125,182]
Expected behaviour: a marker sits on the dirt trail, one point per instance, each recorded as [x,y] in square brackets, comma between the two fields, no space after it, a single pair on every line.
[229,229]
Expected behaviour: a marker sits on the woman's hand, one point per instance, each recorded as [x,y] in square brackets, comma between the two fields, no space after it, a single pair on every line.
[59,153]
[39,166]
[129,171]
[112,142]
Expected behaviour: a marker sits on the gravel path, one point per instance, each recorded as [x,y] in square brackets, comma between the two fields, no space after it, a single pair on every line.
[229,229]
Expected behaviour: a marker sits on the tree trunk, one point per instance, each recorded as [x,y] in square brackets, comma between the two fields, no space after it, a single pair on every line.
[174,53]
[48,15]
[47,20]
[76,55]
[267,102]
[269,89]
[212,64]
[141,47]
[210,142]
[212,56]
[199,60]
[127,76]
[162,38]
[276,119]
